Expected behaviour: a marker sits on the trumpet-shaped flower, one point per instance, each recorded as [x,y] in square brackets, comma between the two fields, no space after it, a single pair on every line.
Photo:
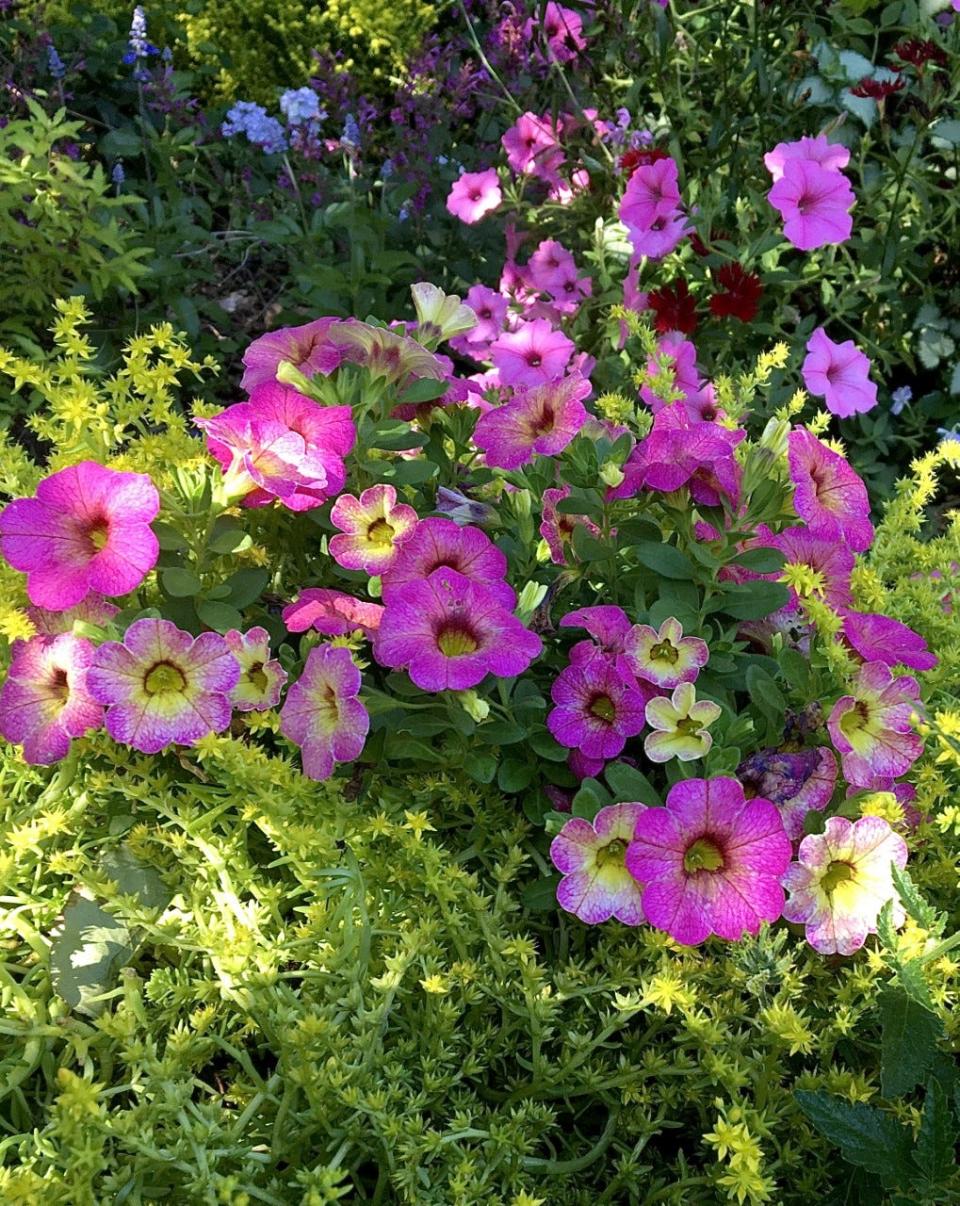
[540,421]
[828,494]
[441,543]
[710,861]
[824,566]
[563,29]
[872,729]
[556,527]
[832,156]
[597,709]
[532,147]
[322,714]
[533,354]
[307,348]
[261,677]
[680,725]
[664,656]
[86,531]
[842,880]
[449,633]
[797,783]
[652,192]
[815,204]
[332,613]
[878,638]
[840,374]
[93,610]
[386,355]
[661,236]
[373,526]
[474,195]
[596,884]
[162,685]
[45,701]
[440,315]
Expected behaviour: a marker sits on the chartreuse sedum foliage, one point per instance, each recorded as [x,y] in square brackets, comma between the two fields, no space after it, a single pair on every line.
[61,229]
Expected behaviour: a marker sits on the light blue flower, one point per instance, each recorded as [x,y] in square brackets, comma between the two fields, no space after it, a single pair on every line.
[900,398]
[300,105]
[251,119]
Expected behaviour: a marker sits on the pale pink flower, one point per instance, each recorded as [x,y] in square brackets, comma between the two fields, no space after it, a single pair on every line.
[840,374]
[475,195]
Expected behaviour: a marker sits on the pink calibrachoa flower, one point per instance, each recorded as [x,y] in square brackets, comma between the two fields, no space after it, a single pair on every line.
[550,265]
[596,884]
[831,563]
[651,193]
[872,728]
[840,374]
[710,861]
[832,156]
[86,531]
[491,310]
[828,494]
[93,610]
[162,685]
[449,632]
[475,195]
[532,147]
[607,624]
[45,701]
[597,709]
[583,767]
[307,348]
[533,354]
[540,421]
[557,527]
[680,725]
[261,677]
[878,638]
[373,526]
[322,714]
[841,882]
[815,204]
[797,783]
[665,657]
[441,543]
[332,613]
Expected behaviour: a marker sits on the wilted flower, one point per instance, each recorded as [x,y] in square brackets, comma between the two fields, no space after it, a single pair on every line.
[797,782]
[322,713]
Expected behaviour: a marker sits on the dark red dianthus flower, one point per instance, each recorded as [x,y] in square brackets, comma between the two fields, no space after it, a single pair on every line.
[675,308]
[879,90]
[740,295]
[640,157]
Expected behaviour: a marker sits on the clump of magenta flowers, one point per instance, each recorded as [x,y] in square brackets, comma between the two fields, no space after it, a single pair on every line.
[638,620]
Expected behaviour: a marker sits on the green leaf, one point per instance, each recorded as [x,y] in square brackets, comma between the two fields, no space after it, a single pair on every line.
[761,561]
[934,1153]
[541,896]
[515,774]
[922,912]
[909,1036]
[221,617]
[168,537]
[751,600]
[866,1136]
[765,693]
[246,585]
[588,801]
[180,583]
[228,538]
[424,389]
[545,746]
[628,784]
[664,560]
[480,767]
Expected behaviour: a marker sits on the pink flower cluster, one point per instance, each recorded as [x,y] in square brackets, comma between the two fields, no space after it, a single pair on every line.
[810,191]
[651,209]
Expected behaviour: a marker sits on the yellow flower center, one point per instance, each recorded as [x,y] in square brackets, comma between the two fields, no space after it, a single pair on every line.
[612,852]
[603,708]
[97,534]
[665,652]
[456,642]
[855,721]
[380,533]
[703,855]
[257,678]
[687,727]
[163,678]
[837,873]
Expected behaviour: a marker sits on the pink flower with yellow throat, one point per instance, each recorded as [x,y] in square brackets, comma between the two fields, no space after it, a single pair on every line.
[596,884]
[664,656]
[373,527]
[872,728]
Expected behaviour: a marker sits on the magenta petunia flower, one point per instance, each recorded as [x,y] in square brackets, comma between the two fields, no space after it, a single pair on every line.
[550,265]
[94,609]
[540,421]
[563,29]
[841,882]
[533,354]
[652,192]
[441,543]
[872,728]
[840,374]
[474,195]
[596,884]
[162,686]
[374,527]
[815,204]
[491,310]
[87,530]
[597,709]
[607,624]
[307,348]
[832,156]
[830,562]
[878,638]
[797,783]
[332,613]
[710,861]
[282,445]
[556,527]
[45,701]
[322,714]
[532,147]
[664,656]
[828,493]
[661,236]
[449,632]
[261,677]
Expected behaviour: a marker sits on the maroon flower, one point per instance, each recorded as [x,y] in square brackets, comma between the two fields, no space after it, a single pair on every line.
[639,157]
[920,52]
[878,90]
[675,308]
[740,293]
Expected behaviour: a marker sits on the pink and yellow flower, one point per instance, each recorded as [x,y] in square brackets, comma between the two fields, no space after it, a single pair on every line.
[374,527]
[322,713]
[597,709]
[93,610]
[163,686]
[828,494]
[664,656]
[556,527]
[45,701]
[680,725]
[307,348]
[261,677]
[872,729]
[332,613]
[710,861]
[540,421]
[436,543]
[87,531]
[842,880]
[596,884]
